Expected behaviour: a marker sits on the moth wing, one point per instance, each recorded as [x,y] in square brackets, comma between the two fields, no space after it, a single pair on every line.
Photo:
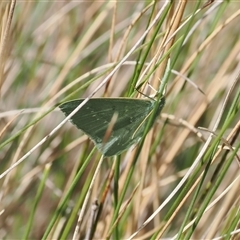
[94,118]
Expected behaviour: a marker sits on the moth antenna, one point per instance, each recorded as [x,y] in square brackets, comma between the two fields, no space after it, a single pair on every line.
[145,95]
[156,92]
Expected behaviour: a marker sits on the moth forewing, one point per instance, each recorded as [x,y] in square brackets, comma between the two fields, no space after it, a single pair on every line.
[112,133]
[110,128]
[142,123]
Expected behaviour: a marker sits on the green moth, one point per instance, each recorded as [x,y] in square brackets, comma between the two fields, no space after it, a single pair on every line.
[94,118]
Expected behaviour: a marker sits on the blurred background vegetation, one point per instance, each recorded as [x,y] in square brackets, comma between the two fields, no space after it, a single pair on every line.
[60,50]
